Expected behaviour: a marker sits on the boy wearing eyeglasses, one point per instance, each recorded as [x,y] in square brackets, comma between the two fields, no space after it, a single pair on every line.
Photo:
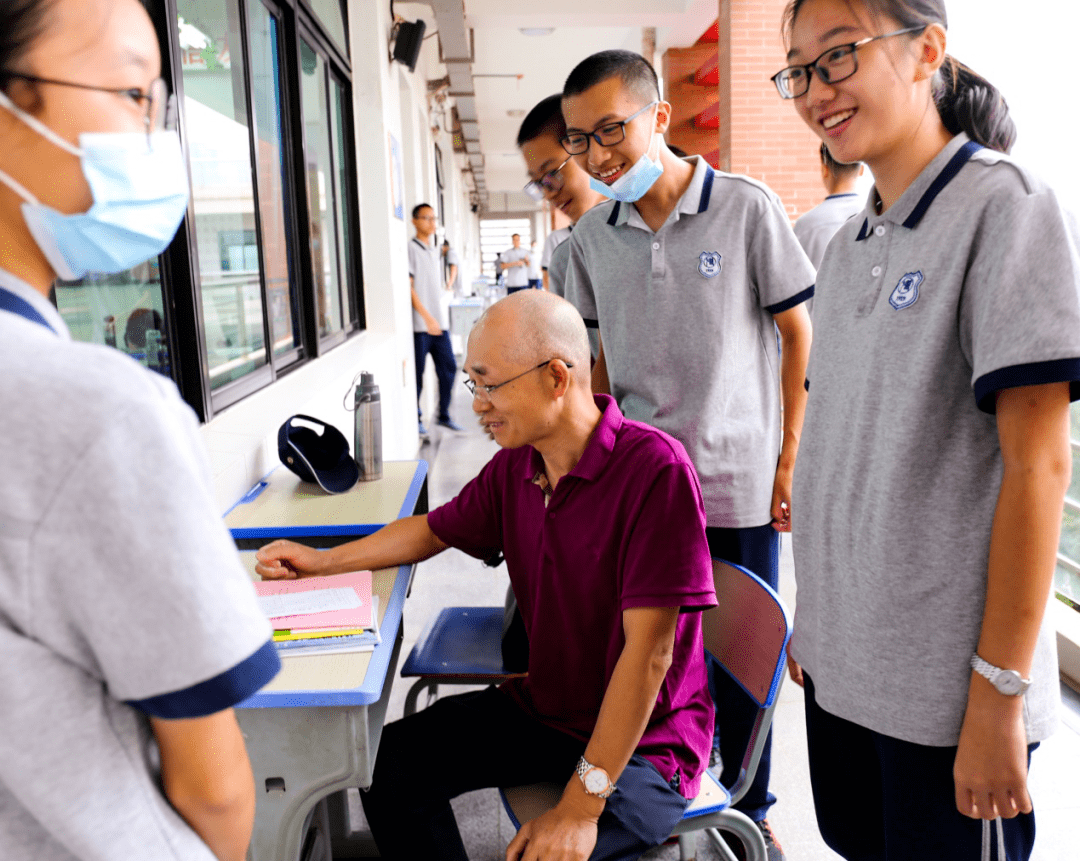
[556,177]
[687,273]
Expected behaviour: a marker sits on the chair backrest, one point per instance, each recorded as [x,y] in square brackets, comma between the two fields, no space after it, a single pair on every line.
[748,633]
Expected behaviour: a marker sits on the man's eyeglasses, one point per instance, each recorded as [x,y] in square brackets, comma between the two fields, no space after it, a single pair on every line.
[835,65]
[551,182]
[478,390]
[157,105]
[606,135]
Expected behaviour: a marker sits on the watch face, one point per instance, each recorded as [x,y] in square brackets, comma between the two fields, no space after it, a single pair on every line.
[596,781]
[1009,682]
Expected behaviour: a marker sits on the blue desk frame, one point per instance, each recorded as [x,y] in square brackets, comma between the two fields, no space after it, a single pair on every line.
[309,745]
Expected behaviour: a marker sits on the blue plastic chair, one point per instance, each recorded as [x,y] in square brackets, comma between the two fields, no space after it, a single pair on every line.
[460,646]
[747,633]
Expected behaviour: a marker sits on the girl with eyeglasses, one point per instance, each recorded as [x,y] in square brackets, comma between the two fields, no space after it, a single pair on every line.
[128,626]
[935,454]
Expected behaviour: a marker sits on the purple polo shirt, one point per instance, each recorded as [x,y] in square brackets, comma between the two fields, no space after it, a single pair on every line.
[624,528]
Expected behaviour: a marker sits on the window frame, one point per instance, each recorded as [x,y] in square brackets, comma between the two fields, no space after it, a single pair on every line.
[181,280]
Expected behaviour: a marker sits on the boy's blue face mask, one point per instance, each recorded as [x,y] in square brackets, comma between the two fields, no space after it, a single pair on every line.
[636,182]
[140,192]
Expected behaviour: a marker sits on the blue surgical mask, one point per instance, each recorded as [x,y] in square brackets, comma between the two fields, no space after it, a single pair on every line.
[140,192]
[633,185]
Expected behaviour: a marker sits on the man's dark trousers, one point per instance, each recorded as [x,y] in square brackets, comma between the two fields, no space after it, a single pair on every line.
[442,354]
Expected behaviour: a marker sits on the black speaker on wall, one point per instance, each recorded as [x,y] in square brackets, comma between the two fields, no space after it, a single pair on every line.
[409,41]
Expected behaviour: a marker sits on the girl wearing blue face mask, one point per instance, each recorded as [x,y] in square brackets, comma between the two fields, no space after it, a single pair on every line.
[126,618]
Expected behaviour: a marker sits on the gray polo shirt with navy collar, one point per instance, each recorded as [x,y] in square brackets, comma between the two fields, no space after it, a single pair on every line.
[686,319]
[969,284]
[425,269]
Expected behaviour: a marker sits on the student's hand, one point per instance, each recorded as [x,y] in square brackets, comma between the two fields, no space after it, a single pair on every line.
[433,328]
[564,833]
[990,771]
[287,560]
[781,499]
[795,671]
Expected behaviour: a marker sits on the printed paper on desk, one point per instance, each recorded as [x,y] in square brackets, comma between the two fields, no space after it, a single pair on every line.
[312,601]
[357,617]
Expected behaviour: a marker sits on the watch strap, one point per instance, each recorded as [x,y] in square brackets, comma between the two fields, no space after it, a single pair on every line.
[993,675]
[583,768]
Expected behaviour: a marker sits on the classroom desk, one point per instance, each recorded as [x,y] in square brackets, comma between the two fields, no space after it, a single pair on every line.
[314,730]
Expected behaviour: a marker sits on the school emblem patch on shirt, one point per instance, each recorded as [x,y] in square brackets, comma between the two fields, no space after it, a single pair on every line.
[709,263]
[906,293]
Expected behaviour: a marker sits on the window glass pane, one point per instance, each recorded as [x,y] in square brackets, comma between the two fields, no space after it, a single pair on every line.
[223,197]
[341,163]
[125,311]
[332,15]
[274,192]
[320,187]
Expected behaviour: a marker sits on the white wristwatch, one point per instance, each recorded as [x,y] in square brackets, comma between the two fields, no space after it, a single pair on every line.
[1008,682]
[594,779]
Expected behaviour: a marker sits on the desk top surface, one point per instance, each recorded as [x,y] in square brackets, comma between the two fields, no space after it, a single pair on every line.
[283,506]
[345,679]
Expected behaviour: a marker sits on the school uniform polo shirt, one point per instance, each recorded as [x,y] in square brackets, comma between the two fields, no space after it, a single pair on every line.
[623,529]
[817,227]
[557,266]
[121,596]
[966,286]
[686,320]
[425,269]
[553,241]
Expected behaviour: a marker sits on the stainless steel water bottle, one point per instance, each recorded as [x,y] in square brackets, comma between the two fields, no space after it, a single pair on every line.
[367,432]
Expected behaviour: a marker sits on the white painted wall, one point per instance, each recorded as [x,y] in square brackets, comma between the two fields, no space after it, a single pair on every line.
[387,99]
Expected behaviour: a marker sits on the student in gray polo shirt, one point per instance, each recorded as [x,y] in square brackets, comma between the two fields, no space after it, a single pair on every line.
[935,454]
[431,322]
[688,273]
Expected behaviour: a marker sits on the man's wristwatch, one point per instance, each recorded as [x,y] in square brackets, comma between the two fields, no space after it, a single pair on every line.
[1008,682]
[594,779]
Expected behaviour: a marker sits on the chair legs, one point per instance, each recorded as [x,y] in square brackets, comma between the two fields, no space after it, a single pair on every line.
[414,694]
[745,830]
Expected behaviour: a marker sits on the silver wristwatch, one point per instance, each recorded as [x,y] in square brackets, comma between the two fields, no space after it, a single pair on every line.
[594,779]
[1008,682]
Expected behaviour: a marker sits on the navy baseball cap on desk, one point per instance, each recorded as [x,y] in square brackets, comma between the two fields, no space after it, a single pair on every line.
[321,458]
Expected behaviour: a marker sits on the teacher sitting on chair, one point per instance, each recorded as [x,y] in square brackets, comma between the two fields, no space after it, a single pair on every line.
[601,522]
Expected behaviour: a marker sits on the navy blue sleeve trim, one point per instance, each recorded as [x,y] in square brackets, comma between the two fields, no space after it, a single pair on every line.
[614,217]
[962,156]
[220,692]
[1032,374]
[591,324]
[788,304]
[806,384]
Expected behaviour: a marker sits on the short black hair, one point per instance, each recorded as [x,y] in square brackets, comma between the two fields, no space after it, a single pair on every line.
[837,168]
[545,118]
[416,209]
[636,72]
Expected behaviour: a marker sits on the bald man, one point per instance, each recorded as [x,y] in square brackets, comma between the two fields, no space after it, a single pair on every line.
[601,523]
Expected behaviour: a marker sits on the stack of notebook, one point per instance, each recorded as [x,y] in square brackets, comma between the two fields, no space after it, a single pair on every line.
[321,615]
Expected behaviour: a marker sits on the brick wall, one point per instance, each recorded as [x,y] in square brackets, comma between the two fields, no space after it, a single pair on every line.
[768,140]
[759,134]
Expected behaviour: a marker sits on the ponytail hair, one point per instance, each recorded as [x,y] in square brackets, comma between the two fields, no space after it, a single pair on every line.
[969,103]
[966,102]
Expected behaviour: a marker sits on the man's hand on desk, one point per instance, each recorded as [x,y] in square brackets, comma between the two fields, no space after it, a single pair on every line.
[287,560]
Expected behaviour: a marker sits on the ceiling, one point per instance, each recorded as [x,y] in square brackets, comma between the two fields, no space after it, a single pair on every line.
[512,71]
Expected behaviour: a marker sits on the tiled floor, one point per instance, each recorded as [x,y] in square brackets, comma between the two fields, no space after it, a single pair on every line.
[453,578]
